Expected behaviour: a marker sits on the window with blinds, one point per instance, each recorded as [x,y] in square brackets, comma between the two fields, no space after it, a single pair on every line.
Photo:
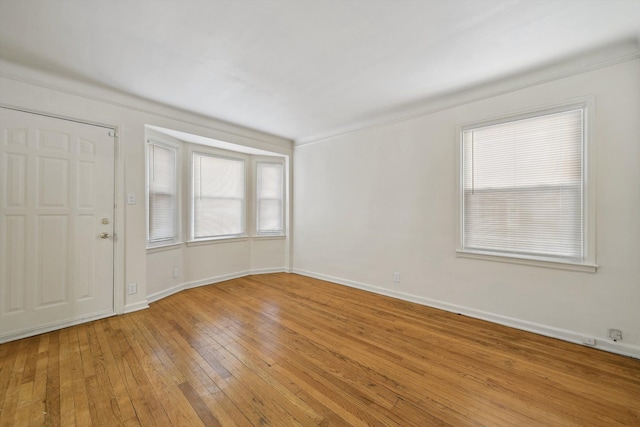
[269,198]
[218,196]
[162,194]
[523,187]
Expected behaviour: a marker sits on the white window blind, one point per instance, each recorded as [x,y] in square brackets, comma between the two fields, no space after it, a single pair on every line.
[270,200]
[523,187]
[218,196]
[161,193]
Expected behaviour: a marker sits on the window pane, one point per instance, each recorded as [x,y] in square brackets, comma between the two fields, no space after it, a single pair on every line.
[270,190]
[162,193]
[522,186]
[269,216]
[218,196]
[217,217]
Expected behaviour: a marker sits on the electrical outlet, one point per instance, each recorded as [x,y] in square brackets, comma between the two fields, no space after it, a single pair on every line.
[396,277]
[615,334]
[176,273]
[133,288]
[590,341]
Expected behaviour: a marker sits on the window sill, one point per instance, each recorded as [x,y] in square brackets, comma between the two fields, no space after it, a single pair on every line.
[162,248]
[560,265]
[269,237]
[216,241]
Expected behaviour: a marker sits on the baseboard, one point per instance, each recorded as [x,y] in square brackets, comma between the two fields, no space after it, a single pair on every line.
[211,280]
[602,343]
[215,279]
[137,306]
[270,270]
[165,293]
[54,326]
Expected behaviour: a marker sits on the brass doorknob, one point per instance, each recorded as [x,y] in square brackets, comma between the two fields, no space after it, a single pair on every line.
[105,235]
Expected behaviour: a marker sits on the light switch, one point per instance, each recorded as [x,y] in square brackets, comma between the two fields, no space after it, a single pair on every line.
[131,199]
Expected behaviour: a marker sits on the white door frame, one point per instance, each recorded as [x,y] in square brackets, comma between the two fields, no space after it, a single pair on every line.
[119,198]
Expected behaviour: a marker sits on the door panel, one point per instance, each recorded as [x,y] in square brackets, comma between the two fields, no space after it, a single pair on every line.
[56,198]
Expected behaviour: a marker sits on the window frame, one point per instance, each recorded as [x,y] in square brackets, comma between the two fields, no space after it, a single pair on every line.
[220,154]
[176,239]
[257,160]
[587,264]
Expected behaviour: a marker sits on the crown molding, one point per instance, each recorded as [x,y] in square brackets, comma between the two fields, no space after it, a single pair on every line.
[623,51]
[104,94]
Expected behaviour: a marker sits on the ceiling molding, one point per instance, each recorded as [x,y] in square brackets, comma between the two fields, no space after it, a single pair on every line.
[224,130]
[623,51]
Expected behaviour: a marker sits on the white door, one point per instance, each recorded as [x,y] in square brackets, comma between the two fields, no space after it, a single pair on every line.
[56,223]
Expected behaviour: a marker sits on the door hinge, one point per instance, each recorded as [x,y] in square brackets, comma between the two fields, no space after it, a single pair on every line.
[113,133]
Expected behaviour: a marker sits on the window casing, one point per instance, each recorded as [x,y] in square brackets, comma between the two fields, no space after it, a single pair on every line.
[269,198]
[217,197]
[524,190]
[162,194]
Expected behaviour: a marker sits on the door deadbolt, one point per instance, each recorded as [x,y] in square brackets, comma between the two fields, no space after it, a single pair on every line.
[104,221]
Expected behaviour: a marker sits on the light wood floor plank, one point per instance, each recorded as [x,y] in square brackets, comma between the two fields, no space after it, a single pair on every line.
[52,392]
[285,350]
[319,355]
[37,409]
[27,380]
[67,401]
[78,384]
[102,401]
[132,351]
[200,376]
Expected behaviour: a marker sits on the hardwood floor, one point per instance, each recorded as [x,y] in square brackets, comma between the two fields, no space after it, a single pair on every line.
[283,349]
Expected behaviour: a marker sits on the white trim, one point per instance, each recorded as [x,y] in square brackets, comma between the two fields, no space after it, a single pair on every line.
[157,296]
[54,115]
[190,138]
[119,256]
[559,265]
[602,342]
[269,270]
[289,215]
[217,240]
[210,281]
[163,248]
[215,279]
[25,333]
[581,103]
[136,306]
[269,237]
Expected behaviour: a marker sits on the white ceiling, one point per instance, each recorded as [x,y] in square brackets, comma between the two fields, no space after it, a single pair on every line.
[301,68]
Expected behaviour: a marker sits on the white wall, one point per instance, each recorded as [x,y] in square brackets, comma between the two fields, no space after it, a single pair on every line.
[384,199]
[39,92]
